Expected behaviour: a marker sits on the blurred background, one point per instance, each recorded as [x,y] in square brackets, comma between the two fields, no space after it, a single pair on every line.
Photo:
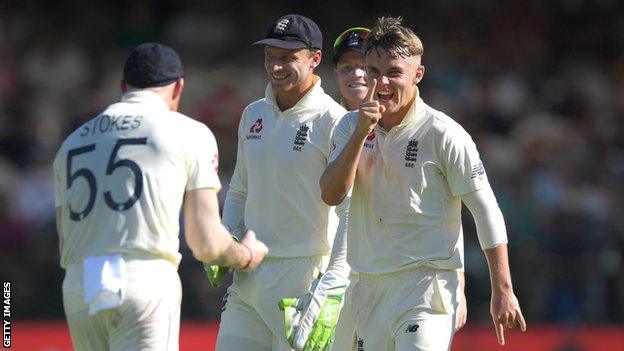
[538,84]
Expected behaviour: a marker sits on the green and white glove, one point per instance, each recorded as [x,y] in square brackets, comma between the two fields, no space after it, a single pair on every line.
[215,273]
[310,320]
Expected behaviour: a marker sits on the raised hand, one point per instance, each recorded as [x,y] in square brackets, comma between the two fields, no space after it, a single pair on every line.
[370,111]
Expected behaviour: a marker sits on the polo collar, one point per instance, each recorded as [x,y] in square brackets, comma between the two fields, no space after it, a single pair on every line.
[144,97]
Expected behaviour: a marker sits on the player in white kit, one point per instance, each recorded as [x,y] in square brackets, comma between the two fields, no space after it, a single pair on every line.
[350,73]
[121,180]
[284,142]
[410,167]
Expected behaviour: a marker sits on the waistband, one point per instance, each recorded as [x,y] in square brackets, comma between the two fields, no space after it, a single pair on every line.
[418,271]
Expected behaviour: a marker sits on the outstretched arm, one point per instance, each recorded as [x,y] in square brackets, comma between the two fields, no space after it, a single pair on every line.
[504,306]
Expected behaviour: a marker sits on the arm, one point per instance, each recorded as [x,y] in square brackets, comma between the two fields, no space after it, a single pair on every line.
[208,238]
[339,175]
[312,317]
[462,309]
[504,306]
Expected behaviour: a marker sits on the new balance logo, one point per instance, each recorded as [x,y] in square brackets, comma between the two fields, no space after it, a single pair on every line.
[301,137]
[412,328]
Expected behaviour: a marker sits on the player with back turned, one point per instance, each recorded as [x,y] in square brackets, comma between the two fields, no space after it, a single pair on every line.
[410,167]
[120,182]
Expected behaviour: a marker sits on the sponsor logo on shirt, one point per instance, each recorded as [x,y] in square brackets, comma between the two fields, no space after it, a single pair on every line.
[255,130]
[411,152]
[478,171]
[360,344]
[301,137]
[412,328]
[370,141]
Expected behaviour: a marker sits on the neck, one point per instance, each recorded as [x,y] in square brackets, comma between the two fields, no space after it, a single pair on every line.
[391,120]
[288,99]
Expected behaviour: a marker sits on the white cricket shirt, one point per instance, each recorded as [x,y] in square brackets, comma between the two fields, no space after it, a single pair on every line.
[405,207]
[281,156]
[120,179]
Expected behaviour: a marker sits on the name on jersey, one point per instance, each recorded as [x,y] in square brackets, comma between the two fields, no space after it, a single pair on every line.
[301,137]
[411,153]
[105,123]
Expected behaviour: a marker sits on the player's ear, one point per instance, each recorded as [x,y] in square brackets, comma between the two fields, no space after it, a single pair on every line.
[178,88]
[317,55]
[123,85]
[420,73]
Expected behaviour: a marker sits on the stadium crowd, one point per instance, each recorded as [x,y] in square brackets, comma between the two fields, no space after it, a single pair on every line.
[539,86]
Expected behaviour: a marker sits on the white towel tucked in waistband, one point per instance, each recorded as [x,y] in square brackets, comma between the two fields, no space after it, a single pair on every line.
[105,280]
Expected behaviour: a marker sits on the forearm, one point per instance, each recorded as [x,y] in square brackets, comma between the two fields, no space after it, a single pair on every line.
[234,212]
[339,175]
[498,265]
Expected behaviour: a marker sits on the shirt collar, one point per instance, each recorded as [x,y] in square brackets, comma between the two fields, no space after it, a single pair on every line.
[306,102]
[416,111]
[144,96]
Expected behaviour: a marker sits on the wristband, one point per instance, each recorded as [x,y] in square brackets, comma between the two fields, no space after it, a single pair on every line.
[250,257]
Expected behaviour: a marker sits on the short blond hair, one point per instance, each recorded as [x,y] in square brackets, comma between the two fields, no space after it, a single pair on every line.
[390,35]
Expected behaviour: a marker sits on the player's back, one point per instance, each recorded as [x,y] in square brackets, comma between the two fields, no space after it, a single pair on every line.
[121,177]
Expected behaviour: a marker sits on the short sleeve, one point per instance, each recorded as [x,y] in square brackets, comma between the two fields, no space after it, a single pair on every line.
[341,136]
[58,184]
[461,162]
[203,161]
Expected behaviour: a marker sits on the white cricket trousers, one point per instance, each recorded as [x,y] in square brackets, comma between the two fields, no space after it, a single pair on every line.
[148,318]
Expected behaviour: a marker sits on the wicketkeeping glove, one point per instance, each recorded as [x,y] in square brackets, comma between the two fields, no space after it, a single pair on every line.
[310,320]
[215,273]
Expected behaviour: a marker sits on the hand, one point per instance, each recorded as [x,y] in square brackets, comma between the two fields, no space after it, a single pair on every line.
[370,111]
[257,249]
[215,273]
[506,314]
[462,312]
[310,320]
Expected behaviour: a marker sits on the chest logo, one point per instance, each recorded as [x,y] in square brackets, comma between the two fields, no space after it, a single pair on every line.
[301,137]
[411,152]
[369,143]
[255,130]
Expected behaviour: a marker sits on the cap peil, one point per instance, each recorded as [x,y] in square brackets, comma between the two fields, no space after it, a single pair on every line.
[352,39]
[293,32]
[152,65]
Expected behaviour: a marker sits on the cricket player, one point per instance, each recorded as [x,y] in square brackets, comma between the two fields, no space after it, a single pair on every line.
[120,182]
[410,167]
[284,142]
[350,73]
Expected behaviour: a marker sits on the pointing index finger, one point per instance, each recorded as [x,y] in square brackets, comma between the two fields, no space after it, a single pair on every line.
[371,90]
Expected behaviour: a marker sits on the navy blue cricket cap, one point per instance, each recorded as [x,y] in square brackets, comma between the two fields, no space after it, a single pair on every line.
[293,32]
[152,65]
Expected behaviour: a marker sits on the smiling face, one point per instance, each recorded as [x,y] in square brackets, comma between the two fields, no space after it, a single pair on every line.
[290,70]
[396,78]
[350,74]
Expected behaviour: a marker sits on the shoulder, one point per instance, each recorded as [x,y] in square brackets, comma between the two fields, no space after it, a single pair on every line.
[260,104]
[444,126]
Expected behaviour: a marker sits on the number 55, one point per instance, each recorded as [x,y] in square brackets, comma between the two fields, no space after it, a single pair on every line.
[112,165]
